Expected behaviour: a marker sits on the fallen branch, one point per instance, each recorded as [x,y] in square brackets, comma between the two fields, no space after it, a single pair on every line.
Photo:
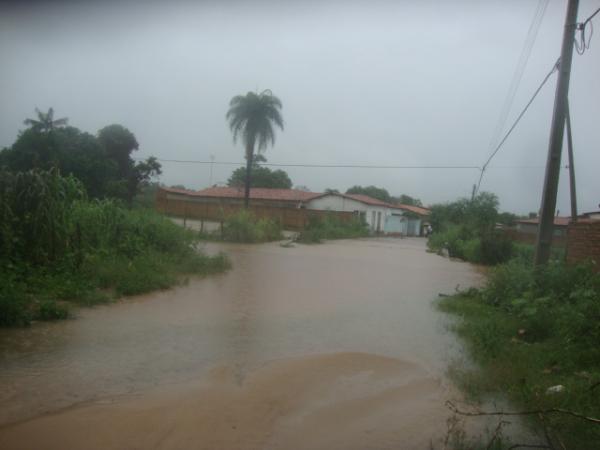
[453,408]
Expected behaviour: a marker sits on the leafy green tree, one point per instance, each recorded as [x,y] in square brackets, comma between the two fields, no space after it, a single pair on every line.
[507,218]
[478,215]
[119,143]
[372,191]
[407,200]
[331,191]
[261,177]
[252,118]
[45,122]
[67,149]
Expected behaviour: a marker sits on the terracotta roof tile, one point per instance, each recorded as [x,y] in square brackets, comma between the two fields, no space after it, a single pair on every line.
[416,209]
[368,200]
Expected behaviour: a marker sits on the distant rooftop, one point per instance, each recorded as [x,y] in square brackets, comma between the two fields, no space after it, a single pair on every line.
[289,195]
[558,221]
[420,210]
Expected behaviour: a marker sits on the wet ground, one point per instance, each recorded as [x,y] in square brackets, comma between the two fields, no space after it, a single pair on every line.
[323,346]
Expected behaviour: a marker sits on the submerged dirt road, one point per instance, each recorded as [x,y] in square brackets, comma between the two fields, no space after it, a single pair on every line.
[329,346]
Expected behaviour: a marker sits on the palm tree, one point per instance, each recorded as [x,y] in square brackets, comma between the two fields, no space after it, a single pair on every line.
[45,121]
[252,117]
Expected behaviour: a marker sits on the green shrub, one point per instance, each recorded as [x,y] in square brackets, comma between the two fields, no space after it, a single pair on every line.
[489,248]
[332,227]
[495,248]
[57,246]
[243,226]
[52,310]
[14,304]
[533,328]
[472,250]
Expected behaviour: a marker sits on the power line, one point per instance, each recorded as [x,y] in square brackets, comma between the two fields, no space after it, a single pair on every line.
[519,117]
[589,19]
[580,47]
[336,166]
[519,70]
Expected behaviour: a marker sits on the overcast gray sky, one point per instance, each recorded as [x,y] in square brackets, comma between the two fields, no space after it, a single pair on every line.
[376,83]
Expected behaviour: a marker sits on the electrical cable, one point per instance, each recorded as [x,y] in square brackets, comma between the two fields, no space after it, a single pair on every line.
[329,166]
[519,117]
[519,70]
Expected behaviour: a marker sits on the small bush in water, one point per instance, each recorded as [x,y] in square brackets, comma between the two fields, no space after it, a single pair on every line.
[243,226]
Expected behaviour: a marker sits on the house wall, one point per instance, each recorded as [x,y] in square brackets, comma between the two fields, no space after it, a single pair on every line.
[396,224]
[335,202]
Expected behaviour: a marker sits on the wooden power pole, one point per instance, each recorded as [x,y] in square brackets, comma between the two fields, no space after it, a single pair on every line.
[546,226]
[572,183]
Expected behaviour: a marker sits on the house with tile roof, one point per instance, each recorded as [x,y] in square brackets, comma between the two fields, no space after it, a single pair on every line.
[284,198]
[380,216]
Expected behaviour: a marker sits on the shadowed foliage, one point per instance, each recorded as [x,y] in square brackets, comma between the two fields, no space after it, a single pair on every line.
[45,121]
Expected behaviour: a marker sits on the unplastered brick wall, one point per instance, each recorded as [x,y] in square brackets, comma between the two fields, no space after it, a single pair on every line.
[583,241]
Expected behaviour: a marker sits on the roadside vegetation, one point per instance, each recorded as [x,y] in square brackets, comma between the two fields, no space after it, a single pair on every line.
[246,227]
[534,334]
[466,229]
[332,227]
[75,227]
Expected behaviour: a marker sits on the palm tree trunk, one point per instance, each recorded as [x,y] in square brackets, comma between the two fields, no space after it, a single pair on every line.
[249,158]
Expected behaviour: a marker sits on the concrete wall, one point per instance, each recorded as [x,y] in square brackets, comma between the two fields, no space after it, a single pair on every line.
[583,241]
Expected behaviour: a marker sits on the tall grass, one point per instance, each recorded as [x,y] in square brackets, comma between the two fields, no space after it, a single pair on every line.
[332,227]
[58,248]
[244,226]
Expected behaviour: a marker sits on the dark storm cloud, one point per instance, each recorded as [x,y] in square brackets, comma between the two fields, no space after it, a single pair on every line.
[378,83]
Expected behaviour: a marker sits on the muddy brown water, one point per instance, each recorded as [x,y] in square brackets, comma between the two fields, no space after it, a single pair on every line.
[324,346]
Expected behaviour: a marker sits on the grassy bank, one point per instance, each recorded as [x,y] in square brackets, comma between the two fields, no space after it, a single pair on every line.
[59,248]
[331,227]
[530,331]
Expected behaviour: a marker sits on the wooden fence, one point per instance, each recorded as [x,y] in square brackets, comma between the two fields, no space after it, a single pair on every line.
[187,207]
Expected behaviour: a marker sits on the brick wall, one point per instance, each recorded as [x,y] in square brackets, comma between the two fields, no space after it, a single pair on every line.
[530,238]
[194,208]
[583,241]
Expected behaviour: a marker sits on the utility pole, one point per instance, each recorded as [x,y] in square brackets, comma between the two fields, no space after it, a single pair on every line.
[571,166]
[546,226]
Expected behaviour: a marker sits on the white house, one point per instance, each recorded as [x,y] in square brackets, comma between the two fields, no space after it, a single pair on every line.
[377,214]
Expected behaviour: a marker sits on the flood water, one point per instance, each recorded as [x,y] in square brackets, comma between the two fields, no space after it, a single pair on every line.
[323,346]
